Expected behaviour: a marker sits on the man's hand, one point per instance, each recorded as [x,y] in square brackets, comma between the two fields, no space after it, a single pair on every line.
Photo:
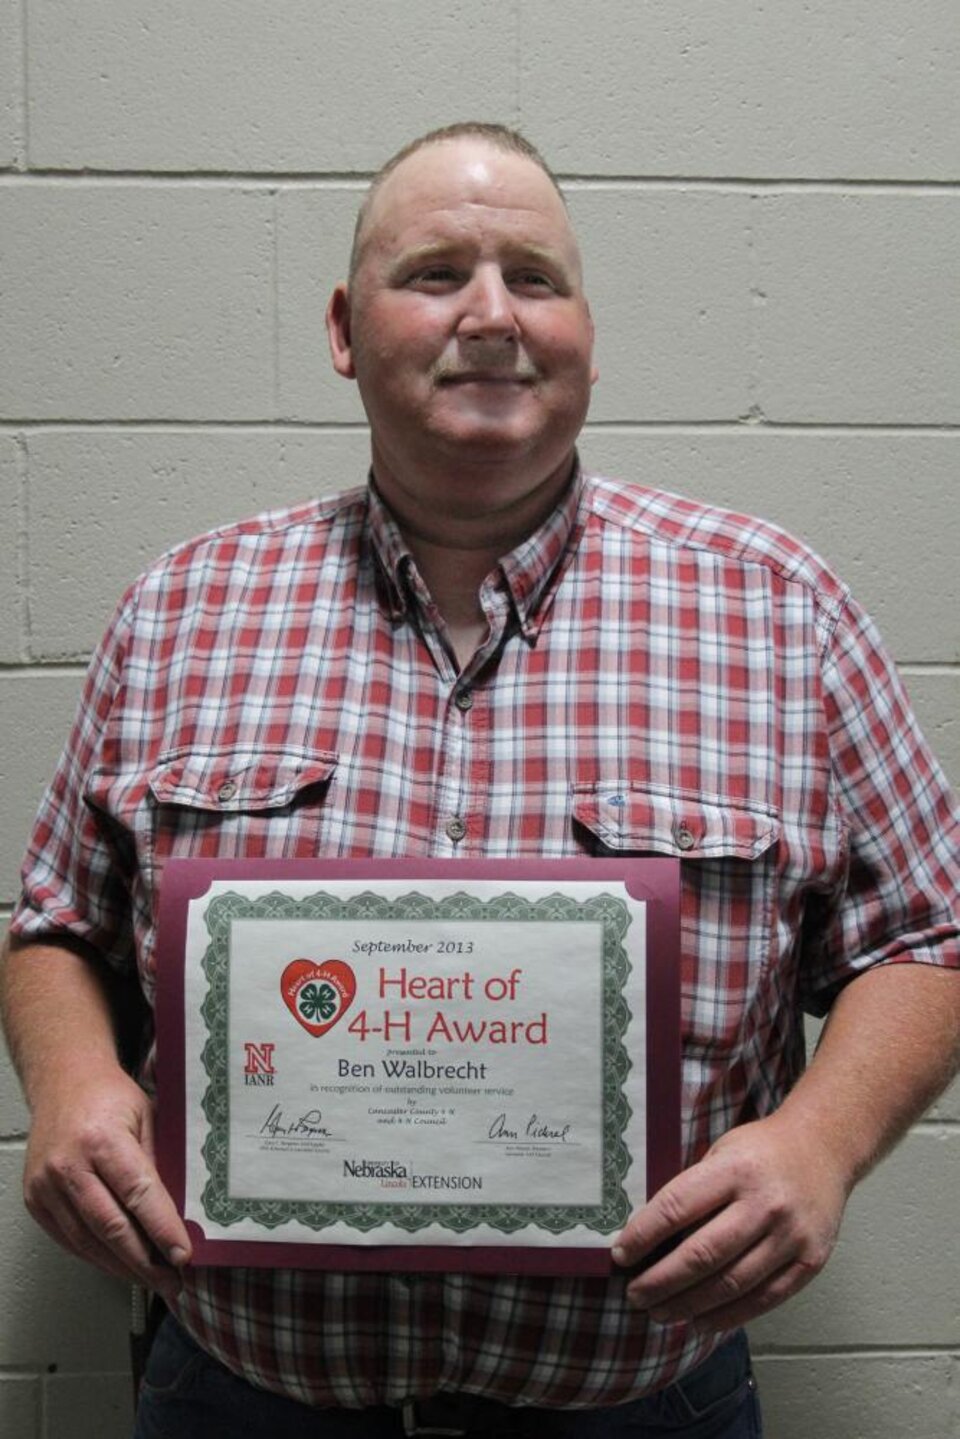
[763,1209]
[89,1177]
[763,1206]
[91,1182]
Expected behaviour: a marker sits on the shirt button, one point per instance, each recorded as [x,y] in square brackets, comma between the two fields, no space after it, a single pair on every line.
[226,791]
[456,829]
[464,700]
[684,837]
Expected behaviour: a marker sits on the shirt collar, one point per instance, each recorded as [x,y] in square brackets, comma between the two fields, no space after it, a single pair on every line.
[391,552]
[527,571]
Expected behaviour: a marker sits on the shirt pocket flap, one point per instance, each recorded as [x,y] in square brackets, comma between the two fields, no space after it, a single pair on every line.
[674,822]
[227,781]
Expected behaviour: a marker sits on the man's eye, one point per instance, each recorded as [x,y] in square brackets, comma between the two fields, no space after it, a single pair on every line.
[435,275]
[532,280]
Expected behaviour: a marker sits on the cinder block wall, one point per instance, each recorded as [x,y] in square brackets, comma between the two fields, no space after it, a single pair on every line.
[767,196]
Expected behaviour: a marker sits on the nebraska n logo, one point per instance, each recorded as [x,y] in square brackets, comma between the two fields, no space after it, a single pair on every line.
[259,1066]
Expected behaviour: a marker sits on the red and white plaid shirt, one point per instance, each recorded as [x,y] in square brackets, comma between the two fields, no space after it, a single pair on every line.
[658,678]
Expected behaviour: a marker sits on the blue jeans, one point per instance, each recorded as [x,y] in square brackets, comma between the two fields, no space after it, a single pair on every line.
[188,1395]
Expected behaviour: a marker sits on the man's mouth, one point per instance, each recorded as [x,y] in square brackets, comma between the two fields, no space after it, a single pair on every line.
[486,377]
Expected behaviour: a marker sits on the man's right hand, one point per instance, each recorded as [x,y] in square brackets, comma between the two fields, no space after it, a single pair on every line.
[90,1179]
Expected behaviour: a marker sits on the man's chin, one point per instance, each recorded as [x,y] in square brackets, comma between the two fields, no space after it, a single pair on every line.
[488,427]
[486,445]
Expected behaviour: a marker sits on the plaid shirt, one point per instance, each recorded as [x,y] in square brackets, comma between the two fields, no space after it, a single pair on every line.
[659,678]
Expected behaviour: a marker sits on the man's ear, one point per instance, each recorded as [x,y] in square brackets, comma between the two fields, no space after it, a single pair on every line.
[594,370]
[338,332]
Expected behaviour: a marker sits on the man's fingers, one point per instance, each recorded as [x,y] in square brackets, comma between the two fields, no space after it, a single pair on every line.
[774,1290]
[706,1280]
[130,1175]
[126,1187]
[712,1250]
[760,1223]
[107,1194]
[689,1199]
[699,1293]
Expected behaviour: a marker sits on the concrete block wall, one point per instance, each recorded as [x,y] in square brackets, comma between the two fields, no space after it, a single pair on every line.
[768,200]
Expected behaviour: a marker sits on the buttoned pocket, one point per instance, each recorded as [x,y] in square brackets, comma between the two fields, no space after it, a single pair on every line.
[228,781]
[728,874]
[682,823]
[238,803]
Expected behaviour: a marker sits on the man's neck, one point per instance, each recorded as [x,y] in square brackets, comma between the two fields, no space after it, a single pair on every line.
[453,578]
[456,546]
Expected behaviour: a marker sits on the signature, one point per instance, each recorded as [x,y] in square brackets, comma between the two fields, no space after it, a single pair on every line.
[308,1124]
[535,1128]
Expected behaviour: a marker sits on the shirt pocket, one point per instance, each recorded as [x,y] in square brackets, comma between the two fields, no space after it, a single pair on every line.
[229,803]
[728,852]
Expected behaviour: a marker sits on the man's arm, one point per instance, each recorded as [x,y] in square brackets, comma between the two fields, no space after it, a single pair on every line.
[765,1203]
[89,1176]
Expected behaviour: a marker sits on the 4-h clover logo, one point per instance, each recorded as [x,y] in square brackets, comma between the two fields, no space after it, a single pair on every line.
[318,993]
[318,1001]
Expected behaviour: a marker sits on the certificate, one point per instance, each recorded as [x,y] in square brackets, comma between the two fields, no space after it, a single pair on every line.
[417,1065]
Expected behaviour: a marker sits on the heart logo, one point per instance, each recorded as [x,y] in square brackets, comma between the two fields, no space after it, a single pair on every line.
[318,995]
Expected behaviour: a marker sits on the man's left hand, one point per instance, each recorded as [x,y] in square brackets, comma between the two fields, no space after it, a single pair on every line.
[763,1208]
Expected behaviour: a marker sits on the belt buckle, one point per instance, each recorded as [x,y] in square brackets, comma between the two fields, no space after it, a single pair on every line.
[412,1425]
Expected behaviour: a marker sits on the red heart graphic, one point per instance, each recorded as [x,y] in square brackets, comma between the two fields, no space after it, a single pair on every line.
[318,995]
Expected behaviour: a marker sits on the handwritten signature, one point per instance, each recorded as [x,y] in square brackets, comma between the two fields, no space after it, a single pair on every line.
[555,1131]
[307,1125]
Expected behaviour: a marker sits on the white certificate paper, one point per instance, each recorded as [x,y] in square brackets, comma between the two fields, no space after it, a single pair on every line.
[411,1065]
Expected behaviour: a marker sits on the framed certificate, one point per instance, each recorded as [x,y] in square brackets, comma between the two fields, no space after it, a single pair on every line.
[417,1065]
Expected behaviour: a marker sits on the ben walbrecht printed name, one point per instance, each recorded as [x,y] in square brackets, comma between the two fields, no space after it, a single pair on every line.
[412,1069]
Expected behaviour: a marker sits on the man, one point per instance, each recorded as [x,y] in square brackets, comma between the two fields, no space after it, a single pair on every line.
[488,654]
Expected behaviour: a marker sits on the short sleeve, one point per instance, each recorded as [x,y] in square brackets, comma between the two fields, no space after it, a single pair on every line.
[899,901]
[74,878]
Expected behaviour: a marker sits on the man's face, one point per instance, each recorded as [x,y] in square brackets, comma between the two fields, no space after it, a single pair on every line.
[465,325]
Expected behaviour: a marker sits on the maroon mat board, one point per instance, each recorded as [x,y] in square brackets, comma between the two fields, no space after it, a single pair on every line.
[654,881]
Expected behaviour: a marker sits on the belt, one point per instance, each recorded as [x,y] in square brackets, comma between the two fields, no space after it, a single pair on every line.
[458,1415]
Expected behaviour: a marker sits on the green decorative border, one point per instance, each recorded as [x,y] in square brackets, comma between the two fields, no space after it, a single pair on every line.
[606,909]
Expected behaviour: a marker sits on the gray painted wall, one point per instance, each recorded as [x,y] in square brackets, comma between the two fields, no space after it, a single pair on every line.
[767,195]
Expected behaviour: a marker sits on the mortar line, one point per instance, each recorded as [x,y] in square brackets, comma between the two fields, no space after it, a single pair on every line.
[23,537]
[760,424]
[197,179]
[779,184]
[733,426]
[44,1405]
[25,80]
[517,27]
[36,669]
[755,413]
[799,1352]
[360,179]
[275,281]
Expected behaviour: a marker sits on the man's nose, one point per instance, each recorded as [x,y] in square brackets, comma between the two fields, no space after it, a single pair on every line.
[488,307]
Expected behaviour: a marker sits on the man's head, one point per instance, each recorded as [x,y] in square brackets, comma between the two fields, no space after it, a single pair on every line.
[511,142]
[464,320]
